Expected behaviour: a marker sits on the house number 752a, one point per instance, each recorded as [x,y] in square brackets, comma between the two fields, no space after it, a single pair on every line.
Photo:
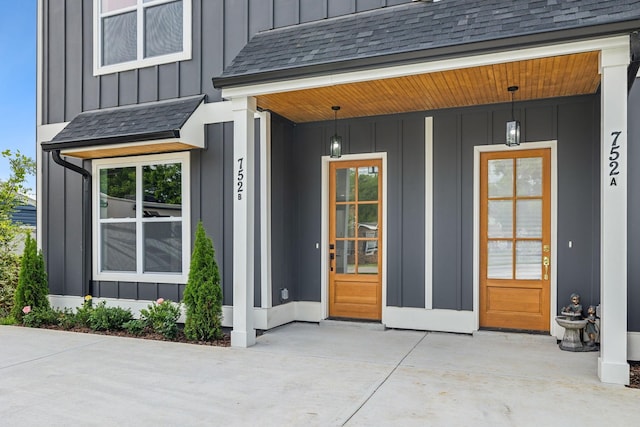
[614,154]
[240,178]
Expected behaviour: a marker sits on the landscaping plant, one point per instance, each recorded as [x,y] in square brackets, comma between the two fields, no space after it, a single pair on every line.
[33,289]
[103,318]
[162,317]
[203,294]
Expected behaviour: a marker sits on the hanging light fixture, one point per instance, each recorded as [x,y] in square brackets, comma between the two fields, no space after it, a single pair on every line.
[513,127]
[335,142]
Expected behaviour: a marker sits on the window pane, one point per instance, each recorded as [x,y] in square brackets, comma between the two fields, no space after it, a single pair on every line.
[529,218]
[368,257]
[345,220]
[118,247]
[118,193]
[368,220]
[345,185]
[163,29]
[500,218]
[163,247]
[500,178]
[528,260]
[529,182]
[345,257]
[162,190]
[119,38]
[499,260]
[368,184]
[111,5]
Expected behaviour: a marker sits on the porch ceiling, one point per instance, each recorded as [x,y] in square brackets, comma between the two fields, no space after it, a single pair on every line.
[549,77]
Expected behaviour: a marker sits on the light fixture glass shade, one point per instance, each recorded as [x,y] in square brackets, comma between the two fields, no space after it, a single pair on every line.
[513,133]
[335,146]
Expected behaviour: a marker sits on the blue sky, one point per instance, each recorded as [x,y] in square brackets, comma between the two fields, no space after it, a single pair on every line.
[18,81]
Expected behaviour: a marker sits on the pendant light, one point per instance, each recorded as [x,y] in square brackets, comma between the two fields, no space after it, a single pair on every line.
[513,126]
[335,142]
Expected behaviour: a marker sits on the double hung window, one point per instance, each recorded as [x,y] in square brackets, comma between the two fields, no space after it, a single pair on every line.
[138,33]
[141,214]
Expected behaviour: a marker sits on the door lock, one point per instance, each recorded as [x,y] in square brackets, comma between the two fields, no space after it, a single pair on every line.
[545,263]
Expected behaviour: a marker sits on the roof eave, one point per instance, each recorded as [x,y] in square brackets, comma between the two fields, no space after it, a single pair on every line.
[118,139]
[437,53]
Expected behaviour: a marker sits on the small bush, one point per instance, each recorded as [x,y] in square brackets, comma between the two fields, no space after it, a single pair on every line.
[82,313]
[33,288]
[162,317]
[39,317]
[9,320]
[9,271]
[103,318]
[203,294]
[67,319]
[135,326]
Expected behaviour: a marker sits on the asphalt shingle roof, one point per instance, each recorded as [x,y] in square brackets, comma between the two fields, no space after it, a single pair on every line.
[141,122]
[419,26]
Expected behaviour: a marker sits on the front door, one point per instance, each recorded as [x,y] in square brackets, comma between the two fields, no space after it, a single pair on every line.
[515,244]
[355,239]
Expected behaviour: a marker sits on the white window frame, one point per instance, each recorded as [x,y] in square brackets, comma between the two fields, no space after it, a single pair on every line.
[139,162]
[140,62]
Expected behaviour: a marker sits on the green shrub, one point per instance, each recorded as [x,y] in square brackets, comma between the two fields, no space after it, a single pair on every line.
[135,326]
[33,289]
[162,317]
[67,319]
[82,313]
[203,294]
[8,320]
[38,317]
[103,318]
[9,272]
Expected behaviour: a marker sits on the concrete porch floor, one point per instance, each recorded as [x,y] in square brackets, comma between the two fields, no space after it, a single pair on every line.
[305,374]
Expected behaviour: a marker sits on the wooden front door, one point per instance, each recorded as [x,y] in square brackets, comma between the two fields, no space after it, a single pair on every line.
[515,239]
[355,239]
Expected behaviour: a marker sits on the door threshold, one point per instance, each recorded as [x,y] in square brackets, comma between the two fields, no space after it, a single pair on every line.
[372,325]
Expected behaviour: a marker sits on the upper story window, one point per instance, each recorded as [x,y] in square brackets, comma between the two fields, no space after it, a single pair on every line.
[131,34]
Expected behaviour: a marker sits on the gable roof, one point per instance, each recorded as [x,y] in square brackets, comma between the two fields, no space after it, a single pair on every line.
[141,122]
[423,30]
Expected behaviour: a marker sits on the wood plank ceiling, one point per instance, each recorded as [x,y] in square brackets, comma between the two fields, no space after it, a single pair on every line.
[549,77]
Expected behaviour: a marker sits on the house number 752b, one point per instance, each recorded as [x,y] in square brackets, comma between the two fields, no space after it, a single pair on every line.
[240,178]
[614,154]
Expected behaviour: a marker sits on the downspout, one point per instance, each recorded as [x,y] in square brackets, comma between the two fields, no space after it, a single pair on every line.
[86,212]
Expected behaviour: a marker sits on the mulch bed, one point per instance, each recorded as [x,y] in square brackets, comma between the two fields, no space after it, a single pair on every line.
[634,377]
[224,342]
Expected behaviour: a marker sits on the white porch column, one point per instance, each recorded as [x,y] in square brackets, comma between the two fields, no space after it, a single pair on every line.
[612,363]
[244,108]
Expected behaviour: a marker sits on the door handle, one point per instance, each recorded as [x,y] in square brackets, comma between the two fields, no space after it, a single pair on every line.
[545,263]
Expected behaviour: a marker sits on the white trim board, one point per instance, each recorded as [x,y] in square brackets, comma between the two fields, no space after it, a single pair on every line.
[428,213]
[553,145]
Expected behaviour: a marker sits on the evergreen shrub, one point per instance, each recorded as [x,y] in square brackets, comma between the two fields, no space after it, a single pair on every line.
[33,288]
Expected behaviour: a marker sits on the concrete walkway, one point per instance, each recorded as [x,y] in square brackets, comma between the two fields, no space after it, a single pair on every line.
[305,375]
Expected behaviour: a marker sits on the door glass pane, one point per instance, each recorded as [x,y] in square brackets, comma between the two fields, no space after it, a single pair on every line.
[368,257]
[345,185]
[163,247]
[500,179]
[367,218]
[529,260]
[163,29]
[368,183]
[118,247]
[529,218]
[529,181]
[345,257]
[499,260]
[119,38]
[162,190]
[500,220]
[345,220]
[118,193]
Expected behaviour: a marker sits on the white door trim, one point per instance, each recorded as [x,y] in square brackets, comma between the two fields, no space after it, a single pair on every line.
[553,145]
[324,227]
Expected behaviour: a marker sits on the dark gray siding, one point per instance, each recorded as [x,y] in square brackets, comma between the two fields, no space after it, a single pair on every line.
[574,122]
[633,243]
[220,28]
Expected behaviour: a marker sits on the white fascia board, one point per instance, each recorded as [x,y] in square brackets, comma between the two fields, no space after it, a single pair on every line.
[428,67]
[72,151]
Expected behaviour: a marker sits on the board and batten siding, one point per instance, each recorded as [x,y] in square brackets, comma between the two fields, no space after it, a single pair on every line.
[574,122]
